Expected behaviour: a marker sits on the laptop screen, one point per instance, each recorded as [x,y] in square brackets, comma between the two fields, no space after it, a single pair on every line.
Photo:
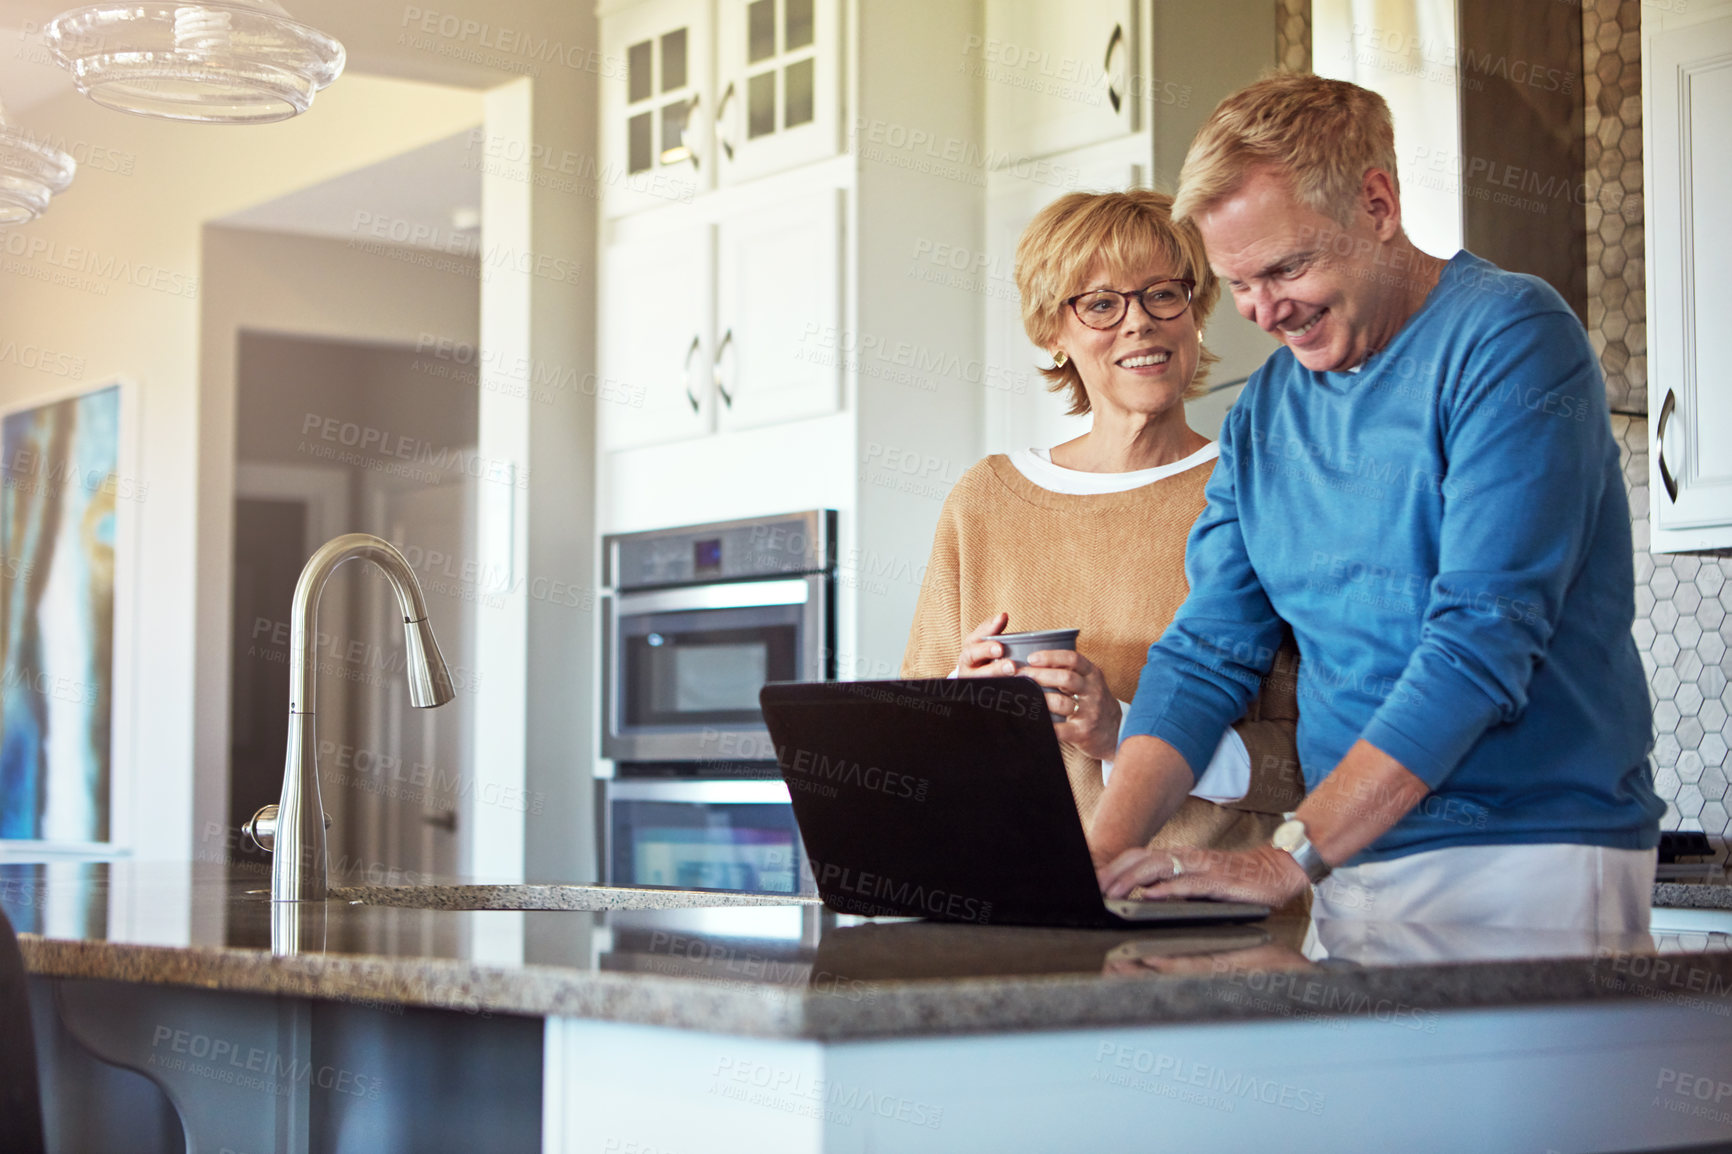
[943,799]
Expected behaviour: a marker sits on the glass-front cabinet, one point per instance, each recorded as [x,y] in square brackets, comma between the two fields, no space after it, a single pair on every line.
[778,73]
[657,119]
[704,93]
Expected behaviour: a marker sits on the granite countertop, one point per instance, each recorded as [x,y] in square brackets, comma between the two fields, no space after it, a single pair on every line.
[1692,896]
[787,968]
[471,896]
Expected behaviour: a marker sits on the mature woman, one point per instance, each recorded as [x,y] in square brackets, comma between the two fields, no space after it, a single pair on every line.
[1091,534]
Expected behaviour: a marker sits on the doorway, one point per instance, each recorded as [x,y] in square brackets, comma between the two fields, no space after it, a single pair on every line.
[338,437]
[426,776]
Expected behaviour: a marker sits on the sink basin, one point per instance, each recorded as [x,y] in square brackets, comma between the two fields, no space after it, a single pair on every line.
[555,897]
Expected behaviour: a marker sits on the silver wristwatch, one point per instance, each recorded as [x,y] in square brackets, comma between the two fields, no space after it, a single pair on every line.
[1291,836]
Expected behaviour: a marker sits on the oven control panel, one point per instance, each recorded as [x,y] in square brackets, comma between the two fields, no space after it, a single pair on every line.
[730,551]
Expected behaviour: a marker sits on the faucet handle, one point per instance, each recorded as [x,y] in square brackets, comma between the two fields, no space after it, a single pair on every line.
[261,828]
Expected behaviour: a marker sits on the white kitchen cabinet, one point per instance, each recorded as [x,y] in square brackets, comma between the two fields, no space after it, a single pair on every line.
[657,110]
[778,79]
[1058,75]
[1687,99]
[720,326]
[689,345]
[657,316]
[778,306]
[710,93]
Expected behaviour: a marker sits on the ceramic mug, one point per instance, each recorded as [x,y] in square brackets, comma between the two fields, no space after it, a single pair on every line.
[1019,647]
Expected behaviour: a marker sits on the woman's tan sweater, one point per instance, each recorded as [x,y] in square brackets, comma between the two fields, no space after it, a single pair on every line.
[1112,565]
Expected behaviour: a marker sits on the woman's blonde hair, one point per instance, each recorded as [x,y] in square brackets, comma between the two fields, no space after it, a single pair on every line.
[1320,135]
[1123,233]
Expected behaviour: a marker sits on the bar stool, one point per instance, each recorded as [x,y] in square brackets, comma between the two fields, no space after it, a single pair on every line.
[20,1096]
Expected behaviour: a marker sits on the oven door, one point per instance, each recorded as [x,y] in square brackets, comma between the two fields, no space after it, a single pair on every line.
[704,835]
[683,666]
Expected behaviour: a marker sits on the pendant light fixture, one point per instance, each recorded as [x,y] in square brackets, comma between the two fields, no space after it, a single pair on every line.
[231,62]
[30,173]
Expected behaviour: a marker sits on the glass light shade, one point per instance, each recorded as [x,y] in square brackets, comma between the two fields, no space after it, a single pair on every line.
[239,62]
[30,173]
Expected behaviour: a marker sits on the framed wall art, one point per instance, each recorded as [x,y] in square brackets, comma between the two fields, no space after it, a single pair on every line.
[63,496]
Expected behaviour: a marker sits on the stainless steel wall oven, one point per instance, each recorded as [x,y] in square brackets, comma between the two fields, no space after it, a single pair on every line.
[695,621]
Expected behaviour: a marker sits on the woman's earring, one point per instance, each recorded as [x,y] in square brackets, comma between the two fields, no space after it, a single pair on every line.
[1058,359]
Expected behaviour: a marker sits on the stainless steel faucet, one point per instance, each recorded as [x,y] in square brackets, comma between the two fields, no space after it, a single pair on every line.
[294,829]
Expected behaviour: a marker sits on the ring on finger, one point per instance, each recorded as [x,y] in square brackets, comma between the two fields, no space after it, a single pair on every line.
[1178,866]
[1075,704]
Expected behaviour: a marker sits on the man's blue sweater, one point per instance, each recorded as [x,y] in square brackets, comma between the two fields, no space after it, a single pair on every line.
[1447,533]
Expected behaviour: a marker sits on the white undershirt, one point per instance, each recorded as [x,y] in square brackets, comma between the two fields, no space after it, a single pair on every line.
[1037,466]
[1228,775]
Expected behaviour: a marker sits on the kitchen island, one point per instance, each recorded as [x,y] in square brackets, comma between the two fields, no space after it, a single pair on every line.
[177,999]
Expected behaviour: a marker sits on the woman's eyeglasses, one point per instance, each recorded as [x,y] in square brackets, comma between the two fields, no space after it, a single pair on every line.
[1105,308]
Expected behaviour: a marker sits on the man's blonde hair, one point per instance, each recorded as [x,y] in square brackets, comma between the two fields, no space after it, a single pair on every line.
[1320,135]
[1123,233]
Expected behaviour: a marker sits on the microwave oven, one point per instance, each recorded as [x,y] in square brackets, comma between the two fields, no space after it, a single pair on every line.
[695,621]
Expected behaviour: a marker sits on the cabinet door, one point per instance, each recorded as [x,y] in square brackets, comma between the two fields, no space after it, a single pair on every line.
[779,345]
[778,85]
[656,120]
[1057,75]
[654,361]
[1690,287]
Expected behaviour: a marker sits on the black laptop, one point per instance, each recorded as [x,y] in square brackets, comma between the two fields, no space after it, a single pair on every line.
[946,799]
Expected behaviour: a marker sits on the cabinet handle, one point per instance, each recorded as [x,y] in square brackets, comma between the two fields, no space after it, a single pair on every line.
[445,820]
[1115,41]
[716,368]
[1666,479]
[690,353]
[691,114]
[685,149]
[721,121]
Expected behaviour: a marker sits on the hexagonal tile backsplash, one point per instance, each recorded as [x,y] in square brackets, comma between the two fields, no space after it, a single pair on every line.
[1684,633]
[1612,96]
[1293,35]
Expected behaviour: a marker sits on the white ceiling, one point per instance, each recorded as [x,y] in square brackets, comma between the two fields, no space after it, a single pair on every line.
[408,199]
[415,193]
[27,75]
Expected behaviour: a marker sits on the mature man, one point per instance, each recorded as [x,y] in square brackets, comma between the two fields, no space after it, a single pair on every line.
[1422,482]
